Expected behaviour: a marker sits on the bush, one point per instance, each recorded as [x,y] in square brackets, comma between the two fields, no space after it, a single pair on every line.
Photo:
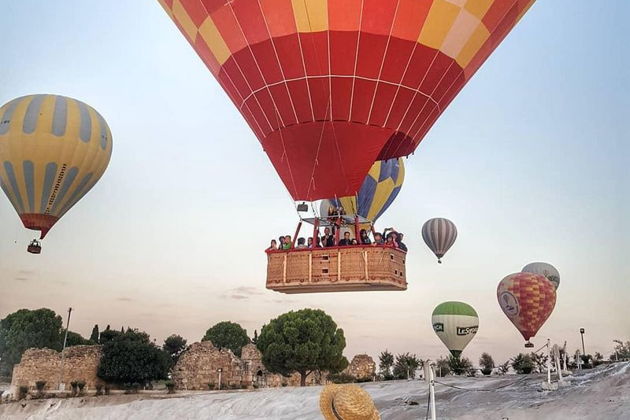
[211,386]
[406,365]
[504,368]
[388,377]
[130,357]
[107,389]
[442,367]
[523,364]
[170,386]
[460,365]
[81,386]
[487,364]
[365,379]
[99,389]
[341,378]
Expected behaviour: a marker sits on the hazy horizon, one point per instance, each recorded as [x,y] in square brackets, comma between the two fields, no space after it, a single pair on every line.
[530,161]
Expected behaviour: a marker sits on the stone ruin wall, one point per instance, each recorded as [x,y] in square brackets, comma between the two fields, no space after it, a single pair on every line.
[197,367]
[361,367]
[80,364]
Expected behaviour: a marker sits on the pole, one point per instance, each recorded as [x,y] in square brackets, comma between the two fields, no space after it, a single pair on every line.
[548,362]
[220,371]
[62,386]
[582,335]
[315,232]
[297,232]
[432,390]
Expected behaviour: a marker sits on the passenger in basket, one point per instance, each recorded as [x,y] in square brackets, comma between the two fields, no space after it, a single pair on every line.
[273,246]
[346,240]
[391,242]
[317,243]
[281,242]
[301,243]
[328,239]
[378,239]
[309,242]
[401,244]
[287,242]
[354,242]
[365,240]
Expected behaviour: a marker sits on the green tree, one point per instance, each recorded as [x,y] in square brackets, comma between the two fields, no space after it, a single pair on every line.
[523,364]
[442,367]
[94,335]
[622,350]
[505,367]
[255,339]
[460,365]
[131,357]
[385,363]
[74,339]
[302,341]
[487,363]
[173,347]
[406,365]
[26,329]
[108,335]
[540,361]
[228,335]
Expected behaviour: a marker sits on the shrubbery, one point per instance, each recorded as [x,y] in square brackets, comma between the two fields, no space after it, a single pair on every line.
[523,364]
[131,358]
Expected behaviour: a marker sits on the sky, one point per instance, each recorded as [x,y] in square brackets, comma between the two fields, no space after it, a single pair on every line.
[530,161]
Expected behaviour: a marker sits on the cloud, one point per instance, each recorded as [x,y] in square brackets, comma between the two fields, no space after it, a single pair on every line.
[124,299]
[248,290]
[283,301]
[241,293]
[22,278]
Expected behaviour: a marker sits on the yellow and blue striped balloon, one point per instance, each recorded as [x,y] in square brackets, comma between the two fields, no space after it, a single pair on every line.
[377,193]
[53,149]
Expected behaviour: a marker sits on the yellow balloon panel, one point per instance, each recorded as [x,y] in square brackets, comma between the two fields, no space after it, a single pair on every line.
[53,149]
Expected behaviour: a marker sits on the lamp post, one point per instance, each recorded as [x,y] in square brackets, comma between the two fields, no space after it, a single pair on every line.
[582,334]
[219,370]
[62,386]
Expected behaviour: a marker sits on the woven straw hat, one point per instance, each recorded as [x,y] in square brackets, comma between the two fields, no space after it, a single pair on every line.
[347,402]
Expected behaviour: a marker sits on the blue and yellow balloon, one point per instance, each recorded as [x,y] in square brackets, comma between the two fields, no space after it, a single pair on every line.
[53,150]
[378,191]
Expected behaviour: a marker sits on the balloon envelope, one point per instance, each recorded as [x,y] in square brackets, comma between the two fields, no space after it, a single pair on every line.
[547,270]
[439,234]
[455,323]
[53,149]
[527,300]
[378,191]
[330,86]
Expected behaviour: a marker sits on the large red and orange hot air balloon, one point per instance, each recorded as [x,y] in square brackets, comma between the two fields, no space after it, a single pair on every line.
[331,86]
[527,299]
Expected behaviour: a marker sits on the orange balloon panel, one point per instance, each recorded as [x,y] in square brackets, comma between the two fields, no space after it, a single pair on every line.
[331,86]
[527,299]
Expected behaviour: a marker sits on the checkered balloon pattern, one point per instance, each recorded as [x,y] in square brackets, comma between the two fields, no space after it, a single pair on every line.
[527,299]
